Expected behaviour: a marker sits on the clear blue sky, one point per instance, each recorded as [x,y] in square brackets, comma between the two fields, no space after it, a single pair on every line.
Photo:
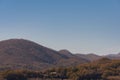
[81,26]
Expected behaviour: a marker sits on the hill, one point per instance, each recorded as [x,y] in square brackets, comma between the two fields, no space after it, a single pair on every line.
[72,59]
[90,57]
[66,53]
[113,56]
[25,54]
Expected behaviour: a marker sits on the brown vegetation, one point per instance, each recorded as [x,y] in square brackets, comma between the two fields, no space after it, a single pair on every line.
[103,69]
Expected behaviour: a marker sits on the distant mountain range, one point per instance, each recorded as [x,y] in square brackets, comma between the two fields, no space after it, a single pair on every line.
[113,56]
[90,57]
[25,54]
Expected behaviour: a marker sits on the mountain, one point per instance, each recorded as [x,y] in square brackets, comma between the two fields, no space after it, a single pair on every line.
[72,59]
[113,56]
[66,53]
[93,57]
[90,57]
[20,52]
[118,53]
[25,54]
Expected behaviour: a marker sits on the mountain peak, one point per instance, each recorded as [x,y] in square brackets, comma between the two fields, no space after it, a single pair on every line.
[17,40]
[21,51]
[25,54]
[66,53]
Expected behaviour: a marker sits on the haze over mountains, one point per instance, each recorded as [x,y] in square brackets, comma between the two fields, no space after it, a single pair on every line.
[25,54]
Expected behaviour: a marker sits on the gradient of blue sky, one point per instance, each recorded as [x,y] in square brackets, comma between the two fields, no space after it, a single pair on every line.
[81,26]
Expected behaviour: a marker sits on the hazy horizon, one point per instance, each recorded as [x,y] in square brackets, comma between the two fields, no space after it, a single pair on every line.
[80,26]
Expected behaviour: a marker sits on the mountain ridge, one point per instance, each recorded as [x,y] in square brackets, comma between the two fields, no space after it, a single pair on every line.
[26,54]
[22,53]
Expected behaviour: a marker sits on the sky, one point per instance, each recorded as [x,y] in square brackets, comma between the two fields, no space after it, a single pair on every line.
[80,26]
